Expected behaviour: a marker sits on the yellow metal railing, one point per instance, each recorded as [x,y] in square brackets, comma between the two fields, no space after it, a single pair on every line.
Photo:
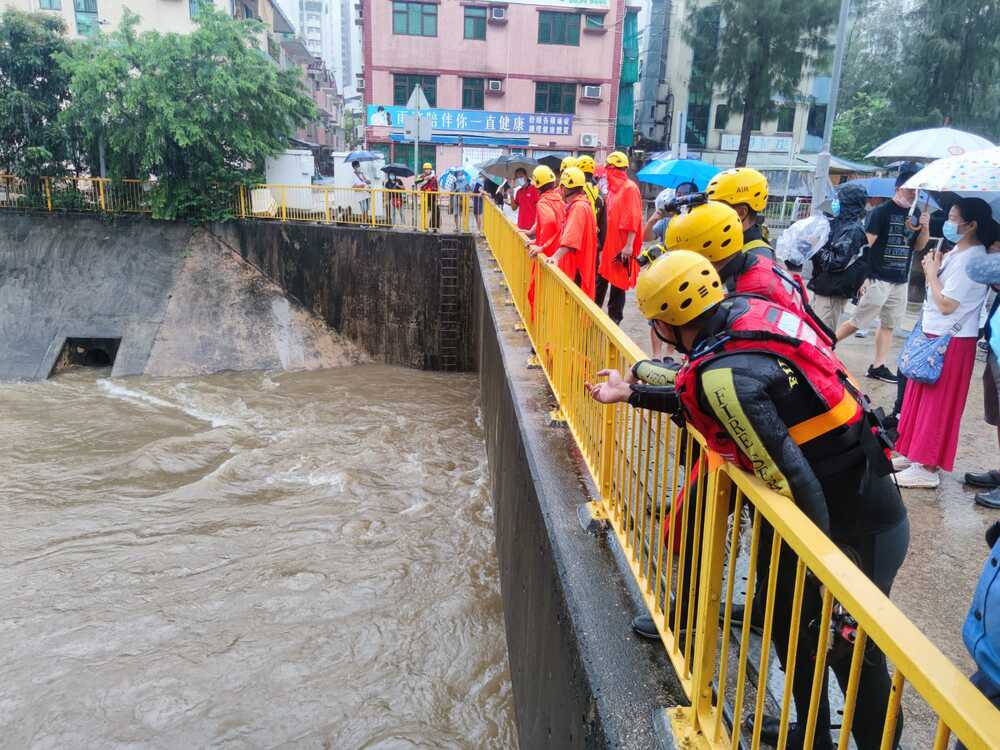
[684,519]
[94,194]
[371,207]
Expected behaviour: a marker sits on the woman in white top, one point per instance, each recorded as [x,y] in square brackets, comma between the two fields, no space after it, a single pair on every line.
[931,418]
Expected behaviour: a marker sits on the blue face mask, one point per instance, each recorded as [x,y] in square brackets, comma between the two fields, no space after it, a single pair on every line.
[950,232]
[835,207]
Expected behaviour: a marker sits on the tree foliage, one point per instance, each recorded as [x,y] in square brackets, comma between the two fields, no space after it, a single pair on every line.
[918,65]
[199,112]
[765,48]
[33,90]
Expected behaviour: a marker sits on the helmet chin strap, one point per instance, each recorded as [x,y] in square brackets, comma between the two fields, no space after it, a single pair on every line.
[678,344]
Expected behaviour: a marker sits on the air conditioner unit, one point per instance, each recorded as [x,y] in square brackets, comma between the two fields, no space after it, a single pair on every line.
[588,140]
[360,84]
[498,14]
[591,92]
[494,85]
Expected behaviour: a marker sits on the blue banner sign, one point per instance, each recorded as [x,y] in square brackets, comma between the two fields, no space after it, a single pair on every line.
[474,120]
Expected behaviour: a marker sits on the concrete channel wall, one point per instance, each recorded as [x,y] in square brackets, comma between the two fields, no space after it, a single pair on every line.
[185,300]
[581,678]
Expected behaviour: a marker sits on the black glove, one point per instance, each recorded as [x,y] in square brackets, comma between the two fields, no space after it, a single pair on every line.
[992,534]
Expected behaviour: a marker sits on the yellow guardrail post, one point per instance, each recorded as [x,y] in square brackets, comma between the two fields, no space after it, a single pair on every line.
[326,205]
[423,210]
[243,201]
[371,206]
[284,204]
[100,193]
[48,192]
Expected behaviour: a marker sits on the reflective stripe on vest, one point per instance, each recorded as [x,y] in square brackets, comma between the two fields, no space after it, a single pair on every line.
[756,245]
[814,427]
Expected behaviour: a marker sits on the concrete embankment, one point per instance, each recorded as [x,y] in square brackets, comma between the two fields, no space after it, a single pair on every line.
[165,298]
[581,678]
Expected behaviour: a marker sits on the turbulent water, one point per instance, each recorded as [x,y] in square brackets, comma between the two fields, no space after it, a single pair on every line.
[249,561]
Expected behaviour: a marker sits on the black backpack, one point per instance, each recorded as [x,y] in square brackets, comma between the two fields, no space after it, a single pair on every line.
[839,267]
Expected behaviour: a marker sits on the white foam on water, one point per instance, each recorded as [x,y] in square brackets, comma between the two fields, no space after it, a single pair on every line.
[141,398]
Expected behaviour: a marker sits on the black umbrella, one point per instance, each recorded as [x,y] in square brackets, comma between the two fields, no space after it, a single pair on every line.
[505,167]
[552,162]
[400,170]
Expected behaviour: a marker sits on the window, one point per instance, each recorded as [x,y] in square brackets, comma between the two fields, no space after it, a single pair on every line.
[475,22]
[403,85]
[555,98]
[472,93]
[594,22]
[559,28]
[404,154]
[786,118]
[52,5]
[192,7]
[817,120]
[86,17]
[414,19]
[721,116]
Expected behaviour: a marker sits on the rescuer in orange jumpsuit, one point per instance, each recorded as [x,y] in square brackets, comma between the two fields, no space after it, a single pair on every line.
[549,220]
[623,238]
[578,240]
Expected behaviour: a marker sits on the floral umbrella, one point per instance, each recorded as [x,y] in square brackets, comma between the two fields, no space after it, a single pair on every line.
[975,172]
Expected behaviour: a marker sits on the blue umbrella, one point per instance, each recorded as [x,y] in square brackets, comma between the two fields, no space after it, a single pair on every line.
[363,156]
[670,173]
[876,187]
[449,176]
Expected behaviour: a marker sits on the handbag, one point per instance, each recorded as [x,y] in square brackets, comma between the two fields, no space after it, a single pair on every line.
[922,357]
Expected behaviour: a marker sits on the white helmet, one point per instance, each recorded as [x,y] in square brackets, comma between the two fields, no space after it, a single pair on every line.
[664,198]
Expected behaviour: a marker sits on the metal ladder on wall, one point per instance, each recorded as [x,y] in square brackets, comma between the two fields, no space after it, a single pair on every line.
[448,313]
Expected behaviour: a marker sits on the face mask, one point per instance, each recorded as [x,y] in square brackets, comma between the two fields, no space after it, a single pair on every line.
[835,207]
[950,232]
[521,182]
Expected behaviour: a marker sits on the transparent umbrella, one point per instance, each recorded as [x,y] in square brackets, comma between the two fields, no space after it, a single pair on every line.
[933,143]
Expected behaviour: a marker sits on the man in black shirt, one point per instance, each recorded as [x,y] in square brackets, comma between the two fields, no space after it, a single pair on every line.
[893,234]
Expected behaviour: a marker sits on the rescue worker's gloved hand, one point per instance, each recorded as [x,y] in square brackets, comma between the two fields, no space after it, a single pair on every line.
[655,373]
[656,397]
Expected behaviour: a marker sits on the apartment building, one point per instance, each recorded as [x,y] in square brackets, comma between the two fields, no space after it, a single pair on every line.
[515,76]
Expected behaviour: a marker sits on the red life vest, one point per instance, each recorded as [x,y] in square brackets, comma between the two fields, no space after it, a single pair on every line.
[765,277]
[771,329]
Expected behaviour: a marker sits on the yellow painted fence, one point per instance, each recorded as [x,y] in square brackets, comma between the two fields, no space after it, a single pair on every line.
[689,568]
[92,194]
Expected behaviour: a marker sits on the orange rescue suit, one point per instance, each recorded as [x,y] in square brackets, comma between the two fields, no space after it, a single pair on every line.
[624,215]
[580,234]
[548,230]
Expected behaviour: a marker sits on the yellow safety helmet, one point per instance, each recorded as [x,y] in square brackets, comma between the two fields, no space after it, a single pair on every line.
[713,229]
[740,185]
[586,163]
[572,177]
[542,176]
[678,287]
[618,159]
[428,165]
[567,162]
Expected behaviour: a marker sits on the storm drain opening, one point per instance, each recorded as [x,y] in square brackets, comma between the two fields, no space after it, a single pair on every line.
[86,352]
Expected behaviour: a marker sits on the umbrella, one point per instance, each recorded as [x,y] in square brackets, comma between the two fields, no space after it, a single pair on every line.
[876,187]
[400,170]
[552,162]
[976,172]
[505,166]
[673,172]
[363,156]
[934,143]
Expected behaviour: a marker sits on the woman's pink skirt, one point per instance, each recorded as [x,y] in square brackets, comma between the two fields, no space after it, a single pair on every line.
[931,419]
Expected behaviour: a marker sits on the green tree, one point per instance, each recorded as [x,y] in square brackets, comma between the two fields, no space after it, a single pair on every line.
[33,90]
[951,64]
[200,112]
[765,47]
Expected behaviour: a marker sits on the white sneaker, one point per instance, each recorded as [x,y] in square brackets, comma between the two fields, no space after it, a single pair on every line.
[901,462]
[917,477]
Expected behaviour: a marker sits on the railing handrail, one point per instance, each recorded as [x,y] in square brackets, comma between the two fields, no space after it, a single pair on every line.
[954,699]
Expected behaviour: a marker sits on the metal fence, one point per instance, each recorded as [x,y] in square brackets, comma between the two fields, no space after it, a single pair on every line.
[94,194]
[421,211]
[693,528]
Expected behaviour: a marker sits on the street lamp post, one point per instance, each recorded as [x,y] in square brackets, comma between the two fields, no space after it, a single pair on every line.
[822,175]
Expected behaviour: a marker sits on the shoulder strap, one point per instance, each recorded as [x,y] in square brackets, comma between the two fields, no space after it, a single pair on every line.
[756,245]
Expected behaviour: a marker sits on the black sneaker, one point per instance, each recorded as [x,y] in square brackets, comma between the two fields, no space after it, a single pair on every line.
[989,499]
[882,373]
[738,613]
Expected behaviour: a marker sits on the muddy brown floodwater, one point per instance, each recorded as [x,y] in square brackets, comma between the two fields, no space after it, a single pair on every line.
[249,561]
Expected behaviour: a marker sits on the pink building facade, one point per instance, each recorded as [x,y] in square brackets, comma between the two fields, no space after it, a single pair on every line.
[500,77]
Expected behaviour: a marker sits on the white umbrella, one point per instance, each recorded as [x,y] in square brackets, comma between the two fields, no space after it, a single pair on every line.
[934,143]
[976,172]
